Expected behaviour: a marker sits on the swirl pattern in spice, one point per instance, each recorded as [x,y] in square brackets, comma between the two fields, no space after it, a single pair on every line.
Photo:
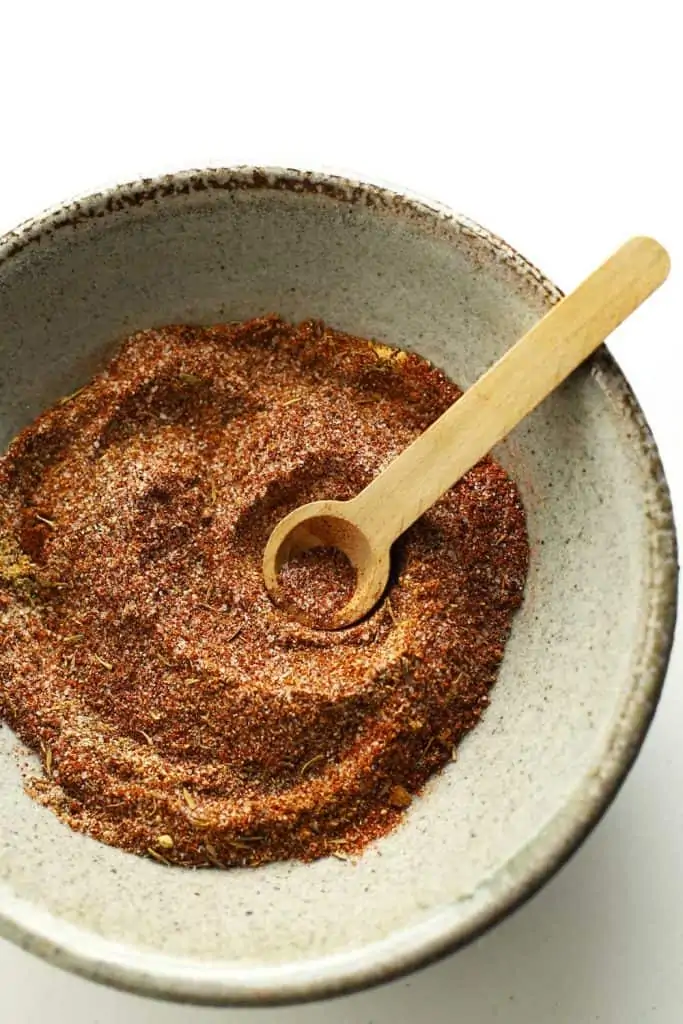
[177,712]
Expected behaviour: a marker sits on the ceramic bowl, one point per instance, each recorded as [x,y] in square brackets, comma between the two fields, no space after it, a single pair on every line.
[584,666]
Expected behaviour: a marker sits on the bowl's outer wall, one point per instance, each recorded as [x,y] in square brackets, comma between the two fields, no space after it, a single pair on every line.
[583,668]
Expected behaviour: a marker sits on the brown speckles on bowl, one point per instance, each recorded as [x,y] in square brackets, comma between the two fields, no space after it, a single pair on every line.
[340,190]
[589,649]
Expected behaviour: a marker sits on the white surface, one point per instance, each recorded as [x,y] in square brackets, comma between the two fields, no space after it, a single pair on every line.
[555,126]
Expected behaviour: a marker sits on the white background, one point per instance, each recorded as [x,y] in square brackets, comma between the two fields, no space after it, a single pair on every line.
[557,126]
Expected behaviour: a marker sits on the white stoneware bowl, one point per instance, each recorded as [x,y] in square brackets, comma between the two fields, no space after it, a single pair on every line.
[582,672]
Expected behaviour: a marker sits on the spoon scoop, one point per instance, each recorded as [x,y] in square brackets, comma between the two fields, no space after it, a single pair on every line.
[365,527]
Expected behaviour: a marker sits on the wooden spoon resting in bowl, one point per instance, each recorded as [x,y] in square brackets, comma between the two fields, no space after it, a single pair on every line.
[365,527]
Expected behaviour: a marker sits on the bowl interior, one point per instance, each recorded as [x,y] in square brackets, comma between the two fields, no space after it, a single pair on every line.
[582,669]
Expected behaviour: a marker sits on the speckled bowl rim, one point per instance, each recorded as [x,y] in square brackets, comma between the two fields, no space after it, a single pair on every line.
[184,980]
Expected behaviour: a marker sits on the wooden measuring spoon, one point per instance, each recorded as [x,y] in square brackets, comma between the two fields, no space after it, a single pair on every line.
[365,527]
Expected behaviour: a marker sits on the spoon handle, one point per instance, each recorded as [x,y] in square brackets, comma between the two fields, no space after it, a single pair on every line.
[509,390]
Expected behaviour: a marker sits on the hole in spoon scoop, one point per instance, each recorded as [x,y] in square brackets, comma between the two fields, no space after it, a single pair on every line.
[322,569]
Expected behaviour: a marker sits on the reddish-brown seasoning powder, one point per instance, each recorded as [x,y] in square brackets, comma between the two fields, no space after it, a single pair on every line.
[317,583]
[177,712]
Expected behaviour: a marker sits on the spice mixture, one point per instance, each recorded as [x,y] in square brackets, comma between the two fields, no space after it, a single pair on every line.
[177,712]
[316,584]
